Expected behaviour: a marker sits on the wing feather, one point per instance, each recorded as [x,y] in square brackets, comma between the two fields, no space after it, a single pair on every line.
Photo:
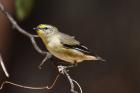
[80,48]
[71,43]
[69,40]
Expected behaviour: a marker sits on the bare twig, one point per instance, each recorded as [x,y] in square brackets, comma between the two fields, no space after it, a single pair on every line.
[18,28]
[14,23]
[28,87]
[24,32]
[36,46]
[3,66]
[81,91]
[63,70]
[44,60]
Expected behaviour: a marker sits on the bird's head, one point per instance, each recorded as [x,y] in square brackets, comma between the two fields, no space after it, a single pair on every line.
[46,29]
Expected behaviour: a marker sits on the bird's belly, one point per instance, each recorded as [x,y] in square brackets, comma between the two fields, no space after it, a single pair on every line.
[67,55]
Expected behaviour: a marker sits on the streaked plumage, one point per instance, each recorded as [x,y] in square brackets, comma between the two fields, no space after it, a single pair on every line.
[63,46]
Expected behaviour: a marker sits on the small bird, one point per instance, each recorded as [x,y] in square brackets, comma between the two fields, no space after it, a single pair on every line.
[63,46]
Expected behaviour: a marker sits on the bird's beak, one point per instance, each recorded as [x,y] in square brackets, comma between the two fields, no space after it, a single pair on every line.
[35,28]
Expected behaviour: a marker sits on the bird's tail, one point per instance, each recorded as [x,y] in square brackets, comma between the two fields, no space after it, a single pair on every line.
[88,57]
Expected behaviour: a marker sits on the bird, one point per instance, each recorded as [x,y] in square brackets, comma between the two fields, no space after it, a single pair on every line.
[63,46]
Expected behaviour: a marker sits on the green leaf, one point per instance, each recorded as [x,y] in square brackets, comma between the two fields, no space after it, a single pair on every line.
[23,8]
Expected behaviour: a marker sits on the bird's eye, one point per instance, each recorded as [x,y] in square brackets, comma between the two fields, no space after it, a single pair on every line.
[45,28]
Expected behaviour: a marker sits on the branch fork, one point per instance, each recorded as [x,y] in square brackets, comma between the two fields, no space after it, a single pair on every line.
[62,69]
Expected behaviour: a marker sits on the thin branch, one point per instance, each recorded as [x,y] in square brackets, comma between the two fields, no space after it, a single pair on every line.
[44,60]
[63,70]
[3,66]
[18,28]
[36,46]
[13,22]
[81,91]
[24,32]
[28,87]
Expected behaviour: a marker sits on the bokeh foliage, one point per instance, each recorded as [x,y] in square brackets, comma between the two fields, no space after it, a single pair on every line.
[23,8]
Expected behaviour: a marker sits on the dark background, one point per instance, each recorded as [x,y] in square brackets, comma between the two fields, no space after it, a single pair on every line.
[110,28]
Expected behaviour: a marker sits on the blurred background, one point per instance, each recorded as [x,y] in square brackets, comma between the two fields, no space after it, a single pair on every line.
[110,28]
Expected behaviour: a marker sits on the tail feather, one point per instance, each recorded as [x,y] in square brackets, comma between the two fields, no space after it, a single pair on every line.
[88,57]
[100,58]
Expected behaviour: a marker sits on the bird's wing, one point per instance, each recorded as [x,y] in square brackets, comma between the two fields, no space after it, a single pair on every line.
[80,48]
[71,43]
[69,40]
